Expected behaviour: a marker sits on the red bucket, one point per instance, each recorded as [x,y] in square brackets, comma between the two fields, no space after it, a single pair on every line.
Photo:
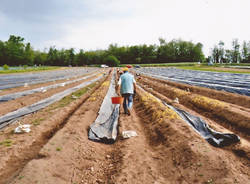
[117,100]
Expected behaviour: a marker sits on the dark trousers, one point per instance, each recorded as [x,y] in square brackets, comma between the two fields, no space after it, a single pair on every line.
[127,101]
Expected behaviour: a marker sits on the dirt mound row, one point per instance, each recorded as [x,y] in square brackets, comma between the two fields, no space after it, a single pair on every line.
[187,157]
[45,124]
[166,150]
[231,116]
[232,98]
[6,107]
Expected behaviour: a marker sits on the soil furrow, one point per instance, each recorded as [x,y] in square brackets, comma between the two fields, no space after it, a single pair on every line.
[235,119]
[166,149]
[26,148]
[6,107]
[232,98]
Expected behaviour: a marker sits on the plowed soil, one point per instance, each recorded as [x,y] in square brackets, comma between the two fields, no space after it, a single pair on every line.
[166,150]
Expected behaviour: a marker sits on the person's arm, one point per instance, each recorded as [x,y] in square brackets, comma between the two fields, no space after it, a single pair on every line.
[134,84]
[119,87]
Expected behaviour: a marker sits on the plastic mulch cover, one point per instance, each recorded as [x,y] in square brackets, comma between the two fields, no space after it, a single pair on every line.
[16,80]
[105,127]
[13,96]
[230,82]
[42,104]
[214,138]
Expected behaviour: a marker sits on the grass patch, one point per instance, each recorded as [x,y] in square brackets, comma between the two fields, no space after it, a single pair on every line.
[68,99]
[28,69]
[84,90]
[37,121]
[20,177]
[6,142]
[58,149]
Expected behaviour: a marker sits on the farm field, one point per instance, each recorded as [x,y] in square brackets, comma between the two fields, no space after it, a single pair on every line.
[166,150]
[231,82]
[26,69]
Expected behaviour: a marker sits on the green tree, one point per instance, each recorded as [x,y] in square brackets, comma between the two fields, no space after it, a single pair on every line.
[221,51]
[236,51]
[229,56]
[40,58]
[80,58]
[14,48]
[111,61]
[2,53]
[5,67]
[53,57]
[218,53]
[197,54]
[70,55]
[245,52]
[28,55]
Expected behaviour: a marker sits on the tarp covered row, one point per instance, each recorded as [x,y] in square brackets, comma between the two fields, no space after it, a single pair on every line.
[199,125]
[231,82]
[105,127]
[43,103]
[16,80]
[12,96]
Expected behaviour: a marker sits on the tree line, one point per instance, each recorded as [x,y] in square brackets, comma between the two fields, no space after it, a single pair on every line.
[15,52]
[237,54]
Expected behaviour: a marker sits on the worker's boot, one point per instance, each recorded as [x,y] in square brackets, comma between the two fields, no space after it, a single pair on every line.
[129,112]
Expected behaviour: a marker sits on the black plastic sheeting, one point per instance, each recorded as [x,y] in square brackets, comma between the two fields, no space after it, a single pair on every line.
[16,80]
[234,83]
[105,127]
[42,104]
[216,139]
[13,96]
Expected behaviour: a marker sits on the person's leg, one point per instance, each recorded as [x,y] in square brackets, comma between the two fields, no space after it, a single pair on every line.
[130,103]
[125,107]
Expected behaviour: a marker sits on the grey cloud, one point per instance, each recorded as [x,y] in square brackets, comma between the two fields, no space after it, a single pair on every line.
[40,21]
[43,11]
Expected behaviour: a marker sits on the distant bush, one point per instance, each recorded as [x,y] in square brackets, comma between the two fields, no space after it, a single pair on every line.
[25,66]
[6,67]
[111,61]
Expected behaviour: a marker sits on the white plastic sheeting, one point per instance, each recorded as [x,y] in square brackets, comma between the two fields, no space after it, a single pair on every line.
[105,127]
[42,104]
[23,79]
[13,96]
[234,83]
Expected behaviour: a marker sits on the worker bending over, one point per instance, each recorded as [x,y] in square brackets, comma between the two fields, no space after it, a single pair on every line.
[127,88]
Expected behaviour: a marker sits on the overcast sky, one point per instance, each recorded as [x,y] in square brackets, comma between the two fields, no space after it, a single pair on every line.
[94,24]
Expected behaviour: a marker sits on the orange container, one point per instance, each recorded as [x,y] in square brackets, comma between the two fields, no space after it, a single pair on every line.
[117,100]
